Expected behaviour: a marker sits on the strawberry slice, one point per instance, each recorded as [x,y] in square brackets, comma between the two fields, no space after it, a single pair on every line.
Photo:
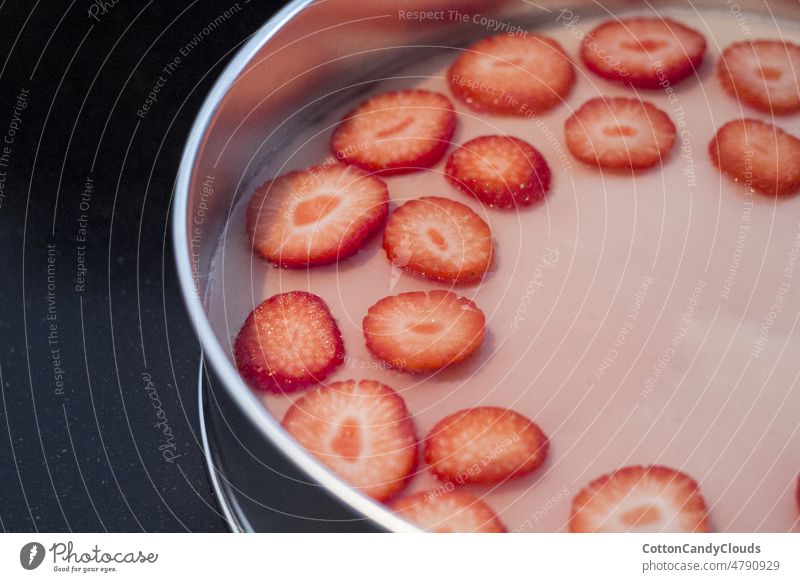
[485,445]
[499,171]
[395,133]
[759,155]
[763,74]
[316,216]
[439,239]
[619,133]
[512,75]
[362,430]
[289,341]
[641,500]
[421,331]
[643,52]
[448,512]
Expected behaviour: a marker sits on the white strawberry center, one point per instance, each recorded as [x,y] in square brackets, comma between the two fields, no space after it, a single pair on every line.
[619,131]
[426,327]
[646,512]
[500,163]
[641,516]
[315,209]
[647,45]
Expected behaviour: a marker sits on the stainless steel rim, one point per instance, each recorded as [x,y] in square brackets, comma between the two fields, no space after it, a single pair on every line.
[214,352]
[233,516]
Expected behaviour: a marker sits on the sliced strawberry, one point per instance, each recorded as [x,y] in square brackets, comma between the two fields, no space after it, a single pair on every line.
[759,155]
[512,75]
[619,133]
[289,341]
[439,239]
[485,445]
[643,52]
[397,132]
[361,430]
[764,74]
[448,512]
[499,171]
[642,500]
[316,216]
[421,331]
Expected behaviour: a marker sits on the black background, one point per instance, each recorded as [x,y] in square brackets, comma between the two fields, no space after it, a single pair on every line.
[85,456]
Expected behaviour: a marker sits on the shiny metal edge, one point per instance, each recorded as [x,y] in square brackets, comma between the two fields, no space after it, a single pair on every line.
[214,352]
[234,517]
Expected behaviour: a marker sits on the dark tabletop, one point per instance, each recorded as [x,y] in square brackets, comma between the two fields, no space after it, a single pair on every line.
[98,361]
